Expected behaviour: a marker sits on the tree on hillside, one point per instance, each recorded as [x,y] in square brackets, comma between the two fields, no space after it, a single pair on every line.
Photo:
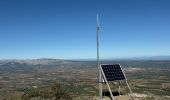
[59,92]
[53,92]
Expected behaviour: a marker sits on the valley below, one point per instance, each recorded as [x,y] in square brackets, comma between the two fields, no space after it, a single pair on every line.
[149,78]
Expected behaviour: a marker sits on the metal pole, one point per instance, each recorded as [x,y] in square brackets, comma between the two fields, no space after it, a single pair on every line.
[99,74]
[130,90]
[119,88]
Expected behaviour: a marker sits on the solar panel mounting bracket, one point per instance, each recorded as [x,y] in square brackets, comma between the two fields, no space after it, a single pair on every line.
[113,73]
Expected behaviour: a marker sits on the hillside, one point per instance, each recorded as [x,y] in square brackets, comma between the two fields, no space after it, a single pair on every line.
[149,77]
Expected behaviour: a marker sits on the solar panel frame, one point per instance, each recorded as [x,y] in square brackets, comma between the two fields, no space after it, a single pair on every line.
[113,72]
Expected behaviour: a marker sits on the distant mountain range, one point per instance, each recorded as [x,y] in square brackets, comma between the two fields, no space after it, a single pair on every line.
[14,65]
[46,61]
[131,58]
[153,58]
[43,61]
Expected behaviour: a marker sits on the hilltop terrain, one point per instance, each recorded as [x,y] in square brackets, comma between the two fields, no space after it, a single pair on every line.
[150,77]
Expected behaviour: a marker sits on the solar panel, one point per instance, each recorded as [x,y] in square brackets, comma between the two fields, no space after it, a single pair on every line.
[113,72]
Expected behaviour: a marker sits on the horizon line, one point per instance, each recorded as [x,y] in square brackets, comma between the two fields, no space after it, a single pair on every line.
[109,58]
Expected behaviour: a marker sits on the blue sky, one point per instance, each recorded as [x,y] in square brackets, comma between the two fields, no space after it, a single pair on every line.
[66,29]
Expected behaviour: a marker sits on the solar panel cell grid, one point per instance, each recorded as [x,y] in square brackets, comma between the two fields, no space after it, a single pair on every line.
[113,72]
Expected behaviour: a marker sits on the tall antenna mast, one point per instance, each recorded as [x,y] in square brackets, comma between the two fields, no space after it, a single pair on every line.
[99,73]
